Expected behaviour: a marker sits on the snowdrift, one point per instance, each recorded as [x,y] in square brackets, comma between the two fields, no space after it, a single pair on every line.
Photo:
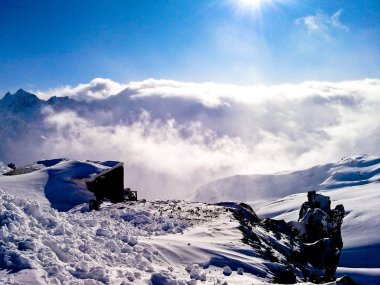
[56,182]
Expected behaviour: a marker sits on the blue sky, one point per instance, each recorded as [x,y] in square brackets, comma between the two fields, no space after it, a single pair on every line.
[44,44]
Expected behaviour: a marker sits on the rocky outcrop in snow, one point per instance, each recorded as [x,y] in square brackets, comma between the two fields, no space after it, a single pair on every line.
[305,250]
[319,229]
[319,221]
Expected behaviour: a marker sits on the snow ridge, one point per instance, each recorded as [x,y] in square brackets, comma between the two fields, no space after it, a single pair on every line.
[357,170]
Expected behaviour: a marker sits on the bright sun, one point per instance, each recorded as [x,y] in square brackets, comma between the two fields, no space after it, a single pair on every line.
[251,3]
[244,6]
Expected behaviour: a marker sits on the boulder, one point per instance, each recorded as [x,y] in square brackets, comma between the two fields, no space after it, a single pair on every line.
[307,249]
[319,229]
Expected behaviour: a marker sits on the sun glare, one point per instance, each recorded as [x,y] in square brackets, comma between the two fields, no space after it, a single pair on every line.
[250,6]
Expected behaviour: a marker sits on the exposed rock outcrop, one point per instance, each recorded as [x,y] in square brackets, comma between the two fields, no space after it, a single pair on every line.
[319,228]
[303,250]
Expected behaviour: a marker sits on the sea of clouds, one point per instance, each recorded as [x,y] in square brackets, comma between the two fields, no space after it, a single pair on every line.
[175,136]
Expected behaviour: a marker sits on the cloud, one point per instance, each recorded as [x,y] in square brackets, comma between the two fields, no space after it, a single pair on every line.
[153,150]
[184,134]
[322,23]
[98,88]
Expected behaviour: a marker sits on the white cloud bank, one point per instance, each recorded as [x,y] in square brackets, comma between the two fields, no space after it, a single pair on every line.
[188,133]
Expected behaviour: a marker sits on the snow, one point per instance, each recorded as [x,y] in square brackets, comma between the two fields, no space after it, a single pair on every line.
[171,242]
[54,182]
[3,168]
[353,182]
[360,229]
[259,189]
[360,226]
[51,247]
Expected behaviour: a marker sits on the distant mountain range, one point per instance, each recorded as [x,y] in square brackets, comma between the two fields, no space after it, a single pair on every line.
[22,115]
[22,130]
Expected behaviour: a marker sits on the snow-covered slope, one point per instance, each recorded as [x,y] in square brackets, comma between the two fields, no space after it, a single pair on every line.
[359,170]
[353,182]
[360,230]
[54,182]
[169,242]
[158,243]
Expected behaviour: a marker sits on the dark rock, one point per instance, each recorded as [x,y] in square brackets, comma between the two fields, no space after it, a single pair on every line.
[285,276]
[304,207]
[319,201]
[94,204]
[12,165]
[345,280]
[278,226]
[337,220]
[321,233]
[159,279]
[318,225]
[246,212]
[307,249]
[322,253]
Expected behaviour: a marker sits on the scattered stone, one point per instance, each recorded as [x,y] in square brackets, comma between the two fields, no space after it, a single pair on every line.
[227,270]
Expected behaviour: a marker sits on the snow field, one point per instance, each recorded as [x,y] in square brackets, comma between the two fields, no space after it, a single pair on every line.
[45,246]
[173,242]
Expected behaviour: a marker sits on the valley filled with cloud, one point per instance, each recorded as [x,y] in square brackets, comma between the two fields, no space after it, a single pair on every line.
[179,135]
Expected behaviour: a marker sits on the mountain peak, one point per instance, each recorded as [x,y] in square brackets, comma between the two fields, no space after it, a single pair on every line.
[24,94]
[21,91]
[21,100]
